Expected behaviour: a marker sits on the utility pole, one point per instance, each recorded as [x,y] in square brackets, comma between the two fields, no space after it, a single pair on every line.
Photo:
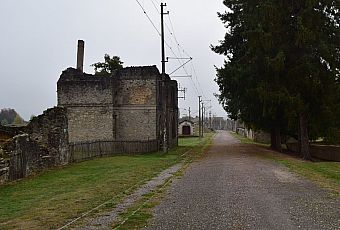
[203,117]
[162,37]
[199,116]
[165,90]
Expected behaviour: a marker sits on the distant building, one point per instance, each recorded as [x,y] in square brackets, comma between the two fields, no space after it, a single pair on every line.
[186,128]
[218,123]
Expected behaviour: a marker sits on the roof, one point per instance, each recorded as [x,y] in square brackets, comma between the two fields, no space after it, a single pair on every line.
[186,121]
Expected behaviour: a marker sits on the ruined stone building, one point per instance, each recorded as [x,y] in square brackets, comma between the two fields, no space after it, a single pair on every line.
[135,110]
[134,104]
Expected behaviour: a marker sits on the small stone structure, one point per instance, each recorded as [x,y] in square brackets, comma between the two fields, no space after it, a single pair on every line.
[186,128]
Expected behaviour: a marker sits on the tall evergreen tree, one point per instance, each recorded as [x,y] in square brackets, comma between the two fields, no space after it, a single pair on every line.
[312,63]
[282,64]
[250,81]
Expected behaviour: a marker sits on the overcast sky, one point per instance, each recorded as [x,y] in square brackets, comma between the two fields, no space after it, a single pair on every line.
[39,39]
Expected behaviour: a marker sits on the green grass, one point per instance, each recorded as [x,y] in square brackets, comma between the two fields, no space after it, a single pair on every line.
[138,215]
[245,140]
[189,141]
[50,199]
[326,174]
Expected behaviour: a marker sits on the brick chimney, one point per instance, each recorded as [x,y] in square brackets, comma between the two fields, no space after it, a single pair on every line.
[80,55]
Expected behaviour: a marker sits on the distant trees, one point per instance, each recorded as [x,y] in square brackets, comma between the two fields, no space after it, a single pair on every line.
[10,116]
[281,72]
[4,122]
[18,120]
[109,65]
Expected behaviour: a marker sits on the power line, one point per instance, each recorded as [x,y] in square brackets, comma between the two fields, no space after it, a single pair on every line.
[146,14]
[172,33]
[154,5]
[180,48]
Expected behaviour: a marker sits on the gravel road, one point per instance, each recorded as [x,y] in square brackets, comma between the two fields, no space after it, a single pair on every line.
[231,188]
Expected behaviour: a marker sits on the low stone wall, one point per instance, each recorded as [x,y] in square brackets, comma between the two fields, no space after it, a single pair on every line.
[326,152]
[257,136]
[42,144]
[323,152]
[4,170]
[262,137]
[7,132]
[87,150]
[27,157]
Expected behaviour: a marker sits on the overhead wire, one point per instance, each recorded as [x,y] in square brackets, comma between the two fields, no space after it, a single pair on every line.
[146,14]
[180,50]
[179,47]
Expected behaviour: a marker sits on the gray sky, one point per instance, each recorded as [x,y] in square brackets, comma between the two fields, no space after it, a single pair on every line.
[39,39]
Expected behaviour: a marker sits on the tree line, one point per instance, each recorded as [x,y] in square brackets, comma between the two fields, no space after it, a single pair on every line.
[10,117]
[282,68]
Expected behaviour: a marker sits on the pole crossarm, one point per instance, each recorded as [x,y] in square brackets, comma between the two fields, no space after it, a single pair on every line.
[181,66]
[181,76]
[177,58]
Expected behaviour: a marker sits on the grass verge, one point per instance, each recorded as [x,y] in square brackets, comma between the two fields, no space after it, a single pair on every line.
[56,196]
[326,174]
[245,140]
[138,215]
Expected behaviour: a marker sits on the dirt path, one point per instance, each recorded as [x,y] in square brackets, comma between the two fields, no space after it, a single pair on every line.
[231,188]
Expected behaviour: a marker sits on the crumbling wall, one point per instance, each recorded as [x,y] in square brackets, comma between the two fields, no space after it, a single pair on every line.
[27,157]
[43,144]
[7,132]
[50,130]
[89,103]
[135,104]
[4,168]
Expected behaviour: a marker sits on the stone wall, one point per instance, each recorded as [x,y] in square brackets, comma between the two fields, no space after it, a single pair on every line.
[51,131]
[135,107]
[323,152]
[89,103]
[173,112]
[7,132]
[262,137]
[136,123]
[133,104]
[78,89]
[138,92]
[90,123]
[43,145]
[27,157]
[4,169]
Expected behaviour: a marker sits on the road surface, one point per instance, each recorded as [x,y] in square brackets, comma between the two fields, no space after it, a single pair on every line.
[232,188]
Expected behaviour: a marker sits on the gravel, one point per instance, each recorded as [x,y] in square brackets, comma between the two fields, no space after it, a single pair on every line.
[231,188]
[104,220]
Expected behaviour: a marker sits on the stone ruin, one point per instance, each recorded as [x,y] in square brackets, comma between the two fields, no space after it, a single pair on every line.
[133,110]
[43,143]
[134,104]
